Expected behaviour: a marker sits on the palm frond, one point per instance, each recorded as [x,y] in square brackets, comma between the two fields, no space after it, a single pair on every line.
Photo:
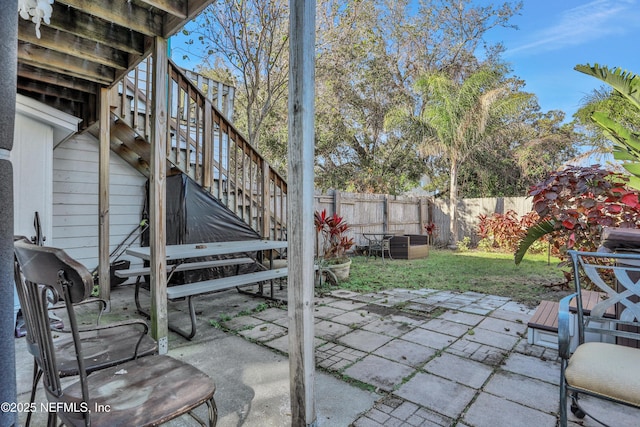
[625,82]
[533,233]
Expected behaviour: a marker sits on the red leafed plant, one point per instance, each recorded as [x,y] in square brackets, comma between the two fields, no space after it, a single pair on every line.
[504,231]
[333,229]
[431,230]
[575,204]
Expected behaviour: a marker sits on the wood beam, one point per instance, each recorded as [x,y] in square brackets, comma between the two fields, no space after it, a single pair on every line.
[123,13]
[157,198]
[103,197]
[79,24]
[56,79]
[75,46]
[177,8]
[64,64]
[173,23]
[301,232]
[50,90]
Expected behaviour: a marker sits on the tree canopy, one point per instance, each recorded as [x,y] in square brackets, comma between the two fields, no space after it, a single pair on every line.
[370,57]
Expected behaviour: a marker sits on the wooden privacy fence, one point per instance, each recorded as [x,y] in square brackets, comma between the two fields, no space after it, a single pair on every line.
[370,213]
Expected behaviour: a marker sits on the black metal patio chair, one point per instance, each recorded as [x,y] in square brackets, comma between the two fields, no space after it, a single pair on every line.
[144,391]
[105,345]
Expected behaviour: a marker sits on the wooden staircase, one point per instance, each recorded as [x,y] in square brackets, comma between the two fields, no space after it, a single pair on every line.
[203,143]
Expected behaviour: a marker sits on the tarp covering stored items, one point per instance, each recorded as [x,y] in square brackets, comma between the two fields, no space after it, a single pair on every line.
[196,216]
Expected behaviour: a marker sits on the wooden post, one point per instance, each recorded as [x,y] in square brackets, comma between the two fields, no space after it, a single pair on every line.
[266,201]
[385,215]
[157,197]
[103,197]
[207,155]
[300,211]
[337,200]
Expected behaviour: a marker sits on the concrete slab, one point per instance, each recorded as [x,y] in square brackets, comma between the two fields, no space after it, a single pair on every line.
[459,369]
[389,327]
[503,326]
[533,367]
[327,312]
[356,318]
[405,352]
[492,411]
[461,317]
[446,327]
[429,338]
[523,390]
[447,397]
[486,373]
[253,386]
[330,330]
[382,373]
[264,332]
[487,354]
[364,340]
[491,338]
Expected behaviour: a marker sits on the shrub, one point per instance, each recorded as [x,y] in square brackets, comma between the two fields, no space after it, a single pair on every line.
[575,204]
[504,231]
[332,229]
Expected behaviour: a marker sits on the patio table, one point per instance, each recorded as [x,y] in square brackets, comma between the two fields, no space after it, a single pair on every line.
[187,252]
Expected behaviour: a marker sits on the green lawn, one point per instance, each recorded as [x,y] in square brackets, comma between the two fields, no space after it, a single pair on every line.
[485,272]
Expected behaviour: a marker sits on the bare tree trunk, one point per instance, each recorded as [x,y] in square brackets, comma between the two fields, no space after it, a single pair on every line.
[453,204]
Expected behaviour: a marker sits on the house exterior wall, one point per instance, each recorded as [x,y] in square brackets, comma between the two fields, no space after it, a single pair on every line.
[38,128]
[32,160]
[75,199]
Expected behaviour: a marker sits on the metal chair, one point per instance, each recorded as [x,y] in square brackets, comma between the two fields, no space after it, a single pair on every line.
[145,391]
[105,345]
[378,242]
[603,364]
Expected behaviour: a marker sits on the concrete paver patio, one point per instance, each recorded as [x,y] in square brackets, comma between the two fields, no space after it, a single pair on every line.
[395,358]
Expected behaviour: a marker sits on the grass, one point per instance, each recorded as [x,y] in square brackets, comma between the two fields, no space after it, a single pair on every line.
[484,272]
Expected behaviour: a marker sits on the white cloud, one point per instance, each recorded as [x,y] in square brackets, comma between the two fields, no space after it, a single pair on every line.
[580,25]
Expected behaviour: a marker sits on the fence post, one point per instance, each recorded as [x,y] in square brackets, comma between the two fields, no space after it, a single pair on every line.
[385,215]
[337,201]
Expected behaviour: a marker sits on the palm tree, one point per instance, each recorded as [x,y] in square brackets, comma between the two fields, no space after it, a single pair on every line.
[457,119]
[625,138]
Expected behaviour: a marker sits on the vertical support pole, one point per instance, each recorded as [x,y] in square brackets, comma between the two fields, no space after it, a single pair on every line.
[103,197]
[266,200]
[421,220]
[300,211]
[207,149]
[337,201]
[157,197]
[8,87]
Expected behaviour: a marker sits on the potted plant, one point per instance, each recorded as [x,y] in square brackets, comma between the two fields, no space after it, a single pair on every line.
[333,242]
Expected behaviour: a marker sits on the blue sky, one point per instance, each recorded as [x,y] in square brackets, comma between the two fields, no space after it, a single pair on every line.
[553,36]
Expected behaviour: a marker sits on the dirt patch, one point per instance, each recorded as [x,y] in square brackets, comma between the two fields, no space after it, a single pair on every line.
[390,311]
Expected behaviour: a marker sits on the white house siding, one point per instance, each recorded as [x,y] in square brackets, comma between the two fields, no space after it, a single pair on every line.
[75,199]
[32,160]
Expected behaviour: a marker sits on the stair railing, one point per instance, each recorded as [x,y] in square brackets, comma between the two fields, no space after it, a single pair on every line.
[204,144]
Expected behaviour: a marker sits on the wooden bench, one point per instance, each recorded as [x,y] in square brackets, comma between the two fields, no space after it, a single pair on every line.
[542,328]
[185,266]
[190,290]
